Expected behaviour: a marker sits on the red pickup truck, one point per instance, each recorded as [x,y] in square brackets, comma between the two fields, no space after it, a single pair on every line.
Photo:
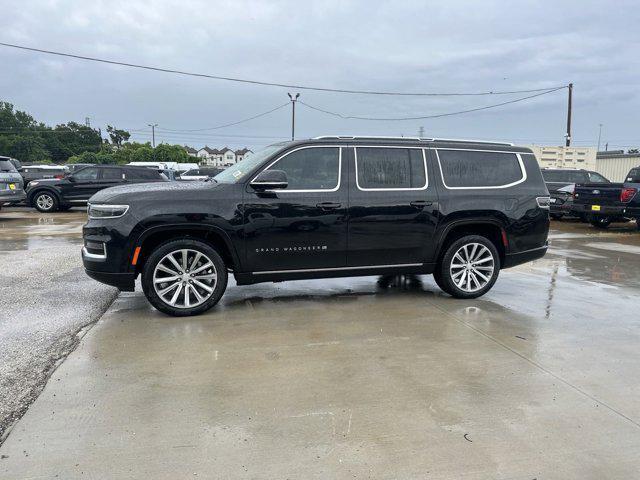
[610,202]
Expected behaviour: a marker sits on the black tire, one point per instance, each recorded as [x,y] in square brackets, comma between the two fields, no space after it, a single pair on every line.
[556,216]
[444,276]
[46,202]
[600,222]
[437,276]
[191,245]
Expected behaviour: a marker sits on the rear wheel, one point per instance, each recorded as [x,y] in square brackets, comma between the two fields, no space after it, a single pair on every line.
[184,277]
[600,222]
[45,202]
[469,267]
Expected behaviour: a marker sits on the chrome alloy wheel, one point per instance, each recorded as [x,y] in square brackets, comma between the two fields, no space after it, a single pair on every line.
[184,278]
[472,267]
[45,201]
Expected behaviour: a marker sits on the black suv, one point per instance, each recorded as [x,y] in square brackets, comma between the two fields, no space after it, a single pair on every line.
[561,183]
[325,207]
[50,195]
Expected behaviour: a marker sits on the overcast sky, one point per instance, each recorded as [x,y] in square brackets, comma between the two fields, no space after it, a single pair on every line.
[445,46]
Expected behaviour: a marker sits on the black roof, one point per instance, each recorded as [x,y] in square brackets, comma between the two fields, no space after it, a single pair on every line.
[439,142]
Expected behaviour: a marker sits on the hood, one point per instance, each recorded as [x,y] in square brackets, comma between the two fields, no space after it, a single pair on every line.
[150,191]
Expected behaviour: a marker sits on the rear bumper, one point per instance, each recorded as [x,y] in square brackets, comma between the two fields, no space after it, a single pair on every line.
[122,281]
[513,259]
[608,210]
[10,196]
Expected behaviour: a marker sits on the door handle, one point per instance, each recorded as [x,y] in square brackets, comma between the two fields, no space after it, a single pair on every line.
[420,203]
[328,205]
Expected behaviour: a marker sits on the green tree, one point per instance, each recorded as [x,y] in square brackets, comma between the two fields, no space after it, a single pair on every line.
[171,153]
[118,136]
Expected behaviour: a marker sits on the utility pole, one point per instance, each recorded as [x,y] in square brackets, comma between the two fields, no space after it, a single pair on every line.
[599,135]
[293,113]
[87,122]
[568,134]
[153,133]
[421,132]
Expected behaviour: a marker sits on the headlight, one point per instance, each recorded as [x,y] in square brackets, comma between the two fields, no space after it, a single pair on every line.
[107,211]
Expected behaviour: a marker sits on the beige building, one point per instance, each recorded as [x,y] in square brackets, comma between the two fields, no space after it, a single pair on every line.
[615,164]
[565,157]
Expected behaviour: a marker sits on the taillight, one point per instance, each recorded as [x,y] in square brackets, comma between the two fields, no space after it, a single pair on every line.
[58,177]
[627,194]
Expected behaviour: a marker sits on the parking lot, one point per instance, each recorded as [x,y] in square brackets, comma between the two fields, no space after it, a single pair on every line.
[339,378]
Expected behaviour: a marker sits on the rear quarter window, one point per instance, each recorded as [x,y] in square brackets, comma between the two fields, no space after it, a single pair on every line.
[477,169]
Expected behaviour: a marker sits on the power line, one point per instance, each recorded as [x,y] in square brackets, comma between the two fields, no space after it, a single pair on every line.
[270,84]
[424,117]
[227,124]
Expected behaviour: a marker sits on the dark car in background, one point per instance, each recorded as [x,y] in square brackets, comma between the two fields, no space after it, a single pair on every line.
[50,195]
[11,183]
[325,207]
[72,167]
[202,173]
[561,183]
[611,202]
[40,172]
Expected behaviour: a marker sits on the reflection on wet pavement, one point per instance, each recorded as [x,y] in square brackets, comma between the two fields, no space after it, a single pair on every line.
[361,377]
[24,228]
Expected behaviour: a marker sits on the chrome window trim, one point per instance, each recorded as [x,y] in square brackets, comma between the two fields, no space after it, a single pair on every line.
[363,267]
[313,190]
[494,187]
[400,189]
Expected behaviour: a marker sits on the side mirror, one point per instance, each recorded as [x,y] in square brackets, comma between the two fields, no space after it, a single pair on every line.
[71,178]
[270,180]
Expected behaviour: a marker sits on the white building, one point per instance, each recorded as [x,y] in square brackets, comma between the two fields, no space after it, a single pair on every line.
[221,158]
[615,164]
[565,157]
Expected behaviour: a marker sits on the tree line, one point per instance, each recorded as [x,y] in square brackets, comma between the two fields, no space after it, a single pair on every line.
[30,141]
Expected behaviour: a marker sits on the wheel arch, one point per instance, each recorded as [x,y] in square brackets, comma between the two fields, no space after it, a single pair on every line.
[492,229]
[32,194]
[149,239]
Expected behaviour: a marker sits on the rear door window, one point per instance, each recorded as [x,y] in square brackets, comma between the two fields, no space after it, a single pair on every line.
[110,174]
[479,169]
[597,178]
[86,174]
[387,168]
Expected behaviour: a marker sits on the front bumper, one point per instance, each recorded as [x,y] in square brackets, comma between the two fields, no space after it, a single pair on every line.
[122,281]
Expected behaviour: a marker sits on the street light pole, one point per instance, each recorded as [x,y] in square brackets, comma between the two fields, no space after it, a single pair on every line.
[569,106]
[599,136]
[153,133]
[293,113]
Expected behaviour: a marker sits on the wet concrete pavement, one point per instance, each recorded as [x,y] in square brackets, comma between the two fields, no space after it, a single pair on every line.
[45,300]
[343,379]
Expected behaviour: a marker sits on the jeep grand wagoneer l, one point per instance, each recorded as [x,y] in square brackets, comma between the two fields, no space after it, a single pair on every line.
[325,207]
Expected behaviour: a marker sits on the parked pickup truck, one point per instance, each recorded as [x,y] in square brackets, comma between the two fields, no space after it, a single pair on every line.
[611,202]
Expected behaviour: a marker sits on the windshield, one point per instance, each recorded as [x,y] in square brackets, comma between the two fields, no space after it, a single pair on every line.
[237,172]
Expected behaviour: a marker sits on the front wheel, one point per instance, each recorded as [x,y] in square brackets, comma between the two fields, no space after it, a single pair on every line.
[601,222]
[184,277]
[469,267]
[45,202]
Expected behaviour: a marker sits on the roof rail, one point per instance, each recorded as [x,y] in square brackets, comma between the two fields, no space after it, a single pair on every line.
[420,139]
[466,140]
[373,137]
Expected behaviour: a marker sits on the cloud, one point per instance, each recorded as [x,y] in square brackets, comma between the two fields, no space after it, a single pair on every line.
[412,46]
